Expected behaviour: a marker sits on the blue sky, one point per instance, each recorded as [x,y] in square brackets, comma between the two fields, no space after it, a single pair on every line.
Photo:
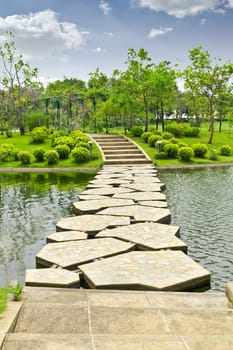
[73,37]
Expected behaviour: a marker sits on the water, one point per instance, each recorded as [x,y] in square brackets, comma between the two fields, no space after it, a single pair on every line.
[201,203]
[30,206]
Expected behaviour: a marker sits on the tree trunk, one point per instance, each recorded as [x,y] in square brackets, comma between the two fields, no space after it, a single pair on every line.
[211,130]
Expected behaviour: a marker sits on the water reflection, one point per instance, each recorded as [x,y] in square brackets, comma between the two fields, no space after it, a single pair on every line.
[30,206]
[201,202]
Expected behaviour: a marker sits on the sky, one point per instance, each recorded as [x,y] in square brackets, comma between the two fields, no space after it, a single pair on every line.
[71,38]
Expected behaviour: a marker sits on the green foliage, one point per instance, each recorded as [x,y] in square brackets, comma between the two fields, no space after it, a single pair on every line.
[16,289]
[51,157]
[185,154]
[171,150]
[36,119]
[78,135]
[8,152]
[167,135]
[81,154]
[39,154]
[176,129]
[153,139]
[161,155]
[63,151]
[191,131]
[182,144]
[225,150]
[214,154]
[199,150]
[63,140]
[83,144]
[145,136]
[39,134]
[3,299]
[136,131]
[25,157]
[174,140]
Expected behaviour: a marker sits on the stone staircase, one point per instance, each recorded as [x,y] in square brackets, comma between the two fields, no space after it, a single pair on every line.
[118,150]
[61,319]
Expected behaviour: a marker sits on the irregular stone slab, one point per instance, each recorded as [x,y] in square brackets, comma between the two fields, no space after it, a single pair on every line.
[90,197]
[108,182]
[51,278]
[108,191]
[69,255]
[146,187]
[90,207]
[158,270]
[91,223]
[142,196]
[154,204]
[139,213]
[66,236]
[148,236]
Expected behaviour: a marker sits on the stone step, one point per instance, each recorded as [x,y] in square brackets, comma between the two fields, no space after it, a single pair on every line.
[125,155]
[108,144]
[122,151]
[115,148]
[127,161]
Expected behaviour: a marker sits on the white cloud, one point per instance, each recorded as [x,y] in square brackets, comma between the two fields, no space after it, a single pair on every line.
[105,7]
[109,34]
[41,34]
[203,21]
[229,4]
[99,49]
[159,31]
[180,8]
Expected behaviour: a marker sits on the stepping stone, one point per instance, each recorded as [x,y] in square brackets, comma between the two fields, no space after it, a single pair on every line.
[69,255]
[108,191]
[90,197]
[159,270]
[148,236]
[154,204]
[66,236]
[142,196]
[52,278]
[108,182]
[145,187]
[91,224]
[139,213]
[92,206]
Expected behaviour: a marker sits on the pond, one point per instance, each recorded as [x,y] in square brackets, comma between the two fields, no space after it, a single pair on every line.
[201,203]
[30,206]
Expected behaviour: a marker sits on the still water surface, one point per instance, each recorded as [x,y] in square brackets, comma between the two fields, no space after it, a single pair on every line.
[201,203]
[30,206]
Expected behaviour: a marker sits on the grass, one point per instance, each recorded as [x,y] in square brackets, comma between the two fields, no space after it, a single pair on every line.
[24,143]
[3,299]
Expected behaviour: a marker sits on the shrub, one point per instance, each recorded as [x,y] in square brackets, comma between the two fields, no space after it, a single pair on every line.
[8,151]
[174,140]
[52,157]
[63,151]
[136,131]
[39,134]
[145,136]
[191,131]
[157,132]
[225,150]
[25,157]
[78,135]
[213,154]
[63,140]
[164,142]
[3,154]
[182,144]
[81,154]
[171,150]
[36,119]
[185,154]
[153,139]
[83,144]
[161,155]
[199,150]
[39,154]
[176,129]
[167,135]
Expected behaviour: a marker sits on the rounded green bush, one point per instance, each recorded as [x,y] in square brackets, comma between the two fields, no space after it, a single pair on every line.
[182,144]
[8,152]
[39,134]
[177,130]
[167,135]
[81,154]
[52,157]
[145,136]
[136,131]
[153,139]
[63,140]
[161,155]
[185,154]
[225,150]
[174,140]
[199,150]
[39,154]
[3,154]
[191,131]
[25,157]
[63,151]
[83,144]
[214,153]
[171,150]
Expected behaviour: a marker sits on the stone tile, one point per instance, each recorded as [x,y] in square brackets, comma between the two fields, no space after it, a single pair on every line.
[122,299]
[141,342]
[127,321]
[9,316]
[23,341]
[92,206]
[145,187]
[158,270]
[138,214]
[106,191]
[142,196]
[210,342]
[51,278]
[154,204]
[71,254]
[44,318]
[147,236]
[199,322]
[91,224]
[66,236]
[55,295]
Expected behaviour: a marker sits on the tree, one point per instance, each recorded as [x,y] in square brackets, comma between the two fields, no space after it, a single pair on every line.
[207,82]
[16,80]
